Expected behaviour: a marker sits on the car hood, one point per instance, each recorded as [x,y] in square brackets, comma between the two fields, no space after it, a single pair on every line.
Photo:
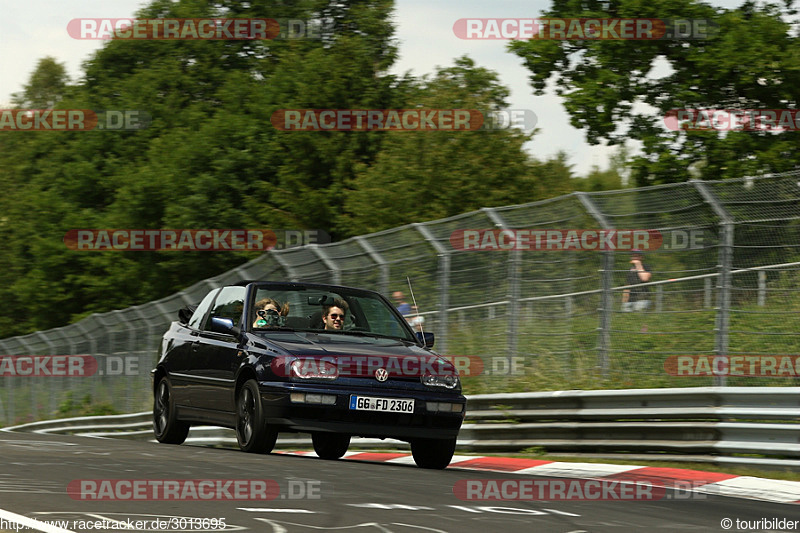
[354,356]
[323,344]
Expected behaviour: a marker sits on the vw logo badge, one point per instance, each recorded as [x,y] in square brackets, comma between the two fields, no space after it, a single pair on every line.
[381,375]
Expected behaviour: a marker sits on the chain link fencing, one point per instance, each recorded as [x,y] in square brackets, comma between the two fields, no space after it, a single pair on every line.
[725,282]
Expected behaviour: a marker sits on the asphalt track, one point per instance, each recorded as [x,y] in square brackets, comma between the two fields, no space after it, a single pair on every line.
[346,495]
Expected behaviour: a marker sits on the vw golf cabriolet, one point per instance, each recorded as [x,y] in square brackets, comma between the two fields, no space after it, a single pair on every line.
[336,362]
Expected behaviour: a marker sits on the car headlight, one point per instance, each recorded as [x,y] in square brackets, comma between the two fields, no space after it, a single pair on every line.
[309,368]
[449,381]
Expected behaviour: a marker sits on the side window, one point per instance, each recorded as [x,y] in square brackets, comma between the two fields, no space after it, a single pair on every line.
[202,309]
[229,304]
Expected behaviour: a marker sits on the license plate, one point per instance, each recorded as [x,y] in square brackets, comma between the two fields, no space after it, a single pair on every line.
[392,405]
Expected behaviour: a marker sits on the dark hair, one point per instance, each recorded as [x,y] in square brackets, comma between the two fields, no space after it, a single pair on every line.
[338,302]
[283,309]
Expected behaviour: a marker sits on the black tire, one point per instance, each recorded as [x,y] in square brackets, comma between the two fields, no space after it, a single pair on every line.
[166,427]
[433,453]
[251,428]
[330,445]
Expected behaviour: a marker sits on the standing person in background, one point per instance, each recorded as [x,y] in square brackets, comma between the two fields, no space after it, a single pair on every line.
[637,298]
[400,303]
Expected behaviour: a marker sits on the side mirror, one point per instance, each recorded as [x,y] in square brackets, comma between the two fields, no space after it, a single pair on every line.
[222,325]
[185,313]
[426,338]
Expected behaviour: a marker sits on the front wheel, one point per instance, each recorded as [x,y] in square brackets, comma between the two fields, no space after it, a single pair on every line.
[330,445]
[433,453]
[251,428]
[166,426]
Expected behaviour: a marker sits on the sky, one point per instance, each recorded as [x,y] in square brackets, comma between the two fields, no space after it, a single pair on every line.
[38,28]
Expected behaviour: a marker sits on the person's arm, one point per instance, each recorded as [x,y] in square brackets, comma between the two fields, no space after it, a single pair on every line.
[642,273]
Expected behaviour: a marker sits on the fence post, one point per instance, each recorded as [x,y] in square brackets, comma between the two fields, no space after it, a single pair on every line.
[606,283]
[383,284]
[9,386]
[514,274]
[285,265]
[725,260]
[762,288]
[30,382]
[444,283]
[336,273]
[52,390]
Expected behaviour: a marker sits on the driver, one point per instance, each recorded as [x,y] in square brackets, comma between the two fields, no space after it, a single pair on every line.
[333,315]
[270,313]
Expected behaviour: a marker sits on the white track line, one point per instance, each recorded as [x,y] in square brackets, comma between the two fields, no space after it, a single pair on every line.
[30,523]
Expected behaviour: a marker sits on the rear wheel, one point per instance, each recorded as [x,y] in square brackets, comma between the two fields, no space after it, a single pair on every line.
[167,428]
[330,445]
[433,453]
[251,428]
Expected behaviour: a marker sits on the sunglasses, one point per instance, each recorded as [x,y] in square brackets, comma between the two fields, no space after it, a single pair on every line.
[335,316]
[264,312]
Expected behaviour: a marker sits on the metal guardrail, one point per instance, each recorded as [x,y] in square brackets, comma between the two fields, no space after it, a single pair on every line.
[709,424]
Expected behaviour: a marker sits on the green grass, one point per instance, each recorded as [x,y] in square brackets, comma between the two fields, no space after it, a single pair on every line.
[560,353]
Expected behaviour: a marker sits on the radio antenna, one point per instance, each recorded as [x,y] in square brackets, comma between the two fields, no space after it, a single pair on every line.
[421,330]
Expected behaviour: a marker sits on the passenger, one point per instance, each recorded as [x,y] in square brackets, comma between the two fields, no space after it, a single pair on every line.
[333,316]
[270,313]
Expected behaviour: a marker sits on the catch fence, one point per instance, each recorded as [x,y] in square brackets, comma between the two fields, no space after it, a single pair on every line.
[725,282]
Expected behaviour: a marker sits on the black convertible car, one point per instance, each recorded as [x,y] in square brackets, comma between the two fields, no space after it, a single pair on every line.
[265,357]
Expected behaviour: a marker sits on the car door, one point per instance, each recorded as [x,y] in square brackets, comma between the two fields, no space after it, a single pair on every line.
[182,361]
[217,354]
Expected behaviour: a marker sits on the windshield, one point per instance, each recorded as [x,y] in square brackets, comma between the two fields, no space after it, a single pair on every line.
[331,309]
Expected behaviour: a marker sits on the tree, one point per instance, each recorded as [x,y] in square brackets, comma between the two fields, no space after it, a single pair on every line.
[45,86]
[209,159]
[613,178]
[421,175]
[616,90]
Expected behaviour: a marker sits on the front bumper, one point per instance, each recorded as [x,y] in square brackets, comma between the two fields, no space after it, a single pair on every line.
[279,410]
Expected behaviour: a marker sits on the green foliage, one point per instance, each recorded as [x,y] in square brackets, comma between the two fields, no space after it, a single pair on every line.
[534,450]
[84,407]
[619,90]
[45,87]
[211,158]
[613,178]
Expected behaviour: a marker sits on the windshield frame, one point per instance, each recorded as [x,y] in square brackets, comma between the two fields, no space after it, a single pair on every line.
[253,289]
